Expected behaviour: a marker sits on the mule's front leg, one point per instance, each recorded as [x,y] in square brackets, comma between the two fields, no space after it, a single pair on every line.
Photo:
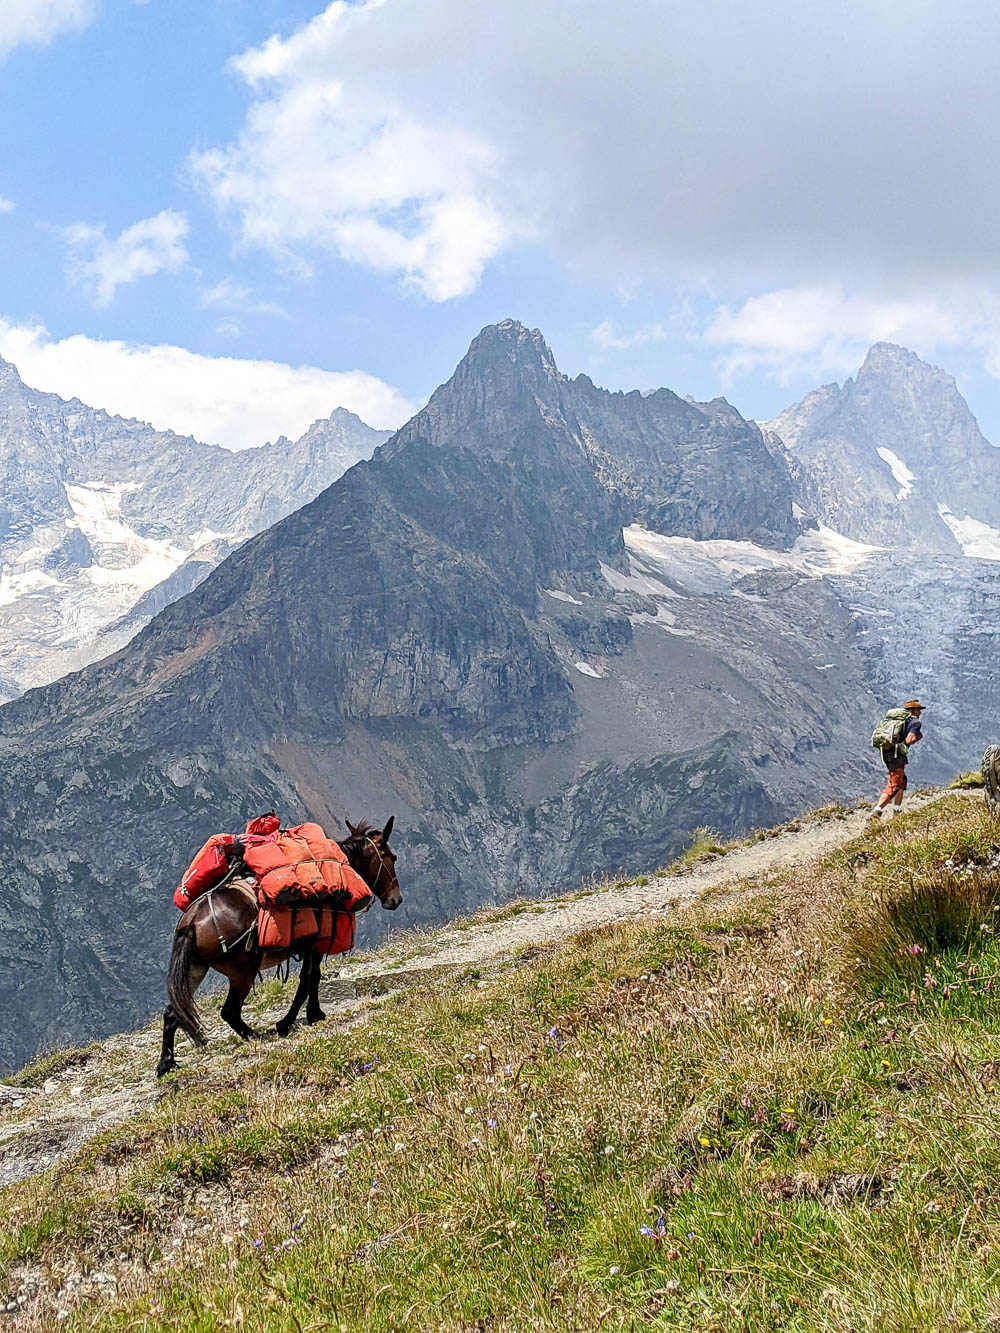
[170,1026]
[285,1025]
[232,1010]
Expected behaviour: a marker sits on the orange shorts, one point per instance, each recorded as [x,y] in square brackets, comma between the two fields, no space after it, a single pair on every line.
[895,783]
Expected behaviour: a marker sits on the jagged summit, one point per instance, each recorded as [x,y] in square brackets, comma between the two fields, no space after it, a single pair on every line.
[516,340]
[894,457]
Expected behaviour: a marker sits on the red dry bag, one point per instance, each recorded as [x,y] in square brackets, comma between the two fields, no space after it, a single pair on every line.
[208,867]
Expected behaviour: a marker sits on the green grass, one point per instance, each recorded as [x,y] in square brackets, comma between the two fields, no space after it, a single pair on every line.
[966,781]
[720,1121]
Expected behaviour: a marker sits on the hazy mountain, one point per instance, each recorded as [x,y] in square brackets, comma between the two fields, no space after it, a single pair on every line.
[894,457]
[98,514]
[551,628]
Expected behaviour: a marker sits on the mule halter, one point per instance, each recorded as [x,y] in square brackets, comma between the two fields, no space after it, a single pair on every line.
[381,862]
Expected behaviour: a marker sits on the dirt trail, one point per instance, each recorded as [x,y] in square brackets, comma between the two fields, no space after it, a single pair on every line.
[468,944]
[115,1082]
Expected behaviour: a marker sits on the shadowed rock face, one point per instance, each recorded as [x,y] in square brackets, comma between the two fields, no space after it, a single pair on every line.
[455,632]
[933,455]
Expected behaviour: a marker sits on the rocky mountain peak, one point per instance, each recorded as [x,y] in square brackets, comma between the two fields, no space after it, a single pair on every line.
[509,358]
[895,457]
[887,359]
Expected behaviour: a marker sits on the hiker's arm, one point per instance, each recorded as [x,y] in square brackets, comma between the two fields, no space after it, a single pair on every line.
[913,737]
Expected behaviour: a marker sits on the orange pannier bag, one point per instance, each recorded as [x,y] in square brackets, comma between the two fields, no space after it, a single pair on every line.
[281,927]
[336,930]
[205,871]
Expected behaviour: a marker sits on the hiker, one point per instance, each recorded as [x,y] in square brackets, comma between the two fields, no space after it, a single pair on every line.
[898,730]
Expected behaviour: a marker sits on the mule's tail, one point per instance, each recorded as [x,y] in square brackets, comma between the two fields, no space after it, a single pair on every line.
[179,994]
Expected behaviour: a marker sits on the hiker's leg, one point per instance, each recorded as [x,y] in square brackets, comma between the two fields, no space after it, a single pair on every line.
[897,798]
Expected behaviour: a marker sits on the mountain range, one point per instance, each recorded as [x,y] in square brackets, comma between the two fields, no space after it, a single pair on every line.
[103,520]
[551,628]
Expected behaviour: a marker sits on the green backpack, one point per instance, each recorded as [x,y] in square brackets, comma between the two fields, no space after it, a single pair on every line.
[892,729]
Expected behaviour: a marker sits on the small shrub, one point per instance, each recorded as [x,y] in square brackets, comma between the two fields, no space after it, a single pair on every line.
[964,781]
[705,846]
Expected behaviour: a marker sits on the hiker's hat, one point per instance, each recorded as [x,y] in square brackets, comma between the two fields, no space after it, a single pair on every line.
[914,706]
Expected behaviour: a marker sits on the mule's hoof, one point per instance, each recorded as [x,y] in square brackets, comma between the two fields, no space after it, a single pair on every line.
[318,1016]
[165,1067]
[283,1028]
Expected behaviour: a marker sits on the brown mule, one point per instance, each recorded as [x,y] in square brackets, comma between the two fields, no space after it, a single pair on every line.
[217,932]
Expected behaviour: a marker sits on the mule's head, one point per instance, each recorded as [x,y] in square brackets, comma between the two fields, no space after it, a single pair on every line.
[371,856]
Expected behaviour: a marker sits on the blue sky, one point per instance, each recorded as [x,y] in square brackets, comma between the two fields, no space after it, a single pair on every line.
[230,216]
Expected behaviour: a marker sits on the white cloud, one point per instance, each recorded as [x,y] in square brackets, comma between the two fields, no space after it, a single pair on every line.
[606,336]
[223,400]
[328,157]
[102,265]
[824,330]
[36,22]
[6,205]
[231,295]
[745,144]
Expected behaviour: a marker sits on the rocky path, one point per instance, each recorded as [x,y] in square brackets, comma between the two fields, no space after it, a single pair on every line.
[113,1081]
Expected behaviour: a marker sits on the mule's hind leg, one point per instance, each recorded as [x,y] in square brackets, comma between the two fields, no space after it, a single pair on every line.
[232,1010]
[314,1014]
[285,1025]
[196,975]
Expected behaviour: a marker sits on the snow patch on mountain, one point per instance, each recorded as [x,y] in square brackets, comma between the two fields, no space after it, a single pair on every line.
[123,556]
[636,580]
[712,567]
[901,473]
[15,586]
[977,540]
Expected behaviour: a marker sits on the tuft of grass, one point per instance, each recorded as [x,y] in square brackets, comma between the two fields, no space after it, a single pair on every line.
[890,940]
[705,846]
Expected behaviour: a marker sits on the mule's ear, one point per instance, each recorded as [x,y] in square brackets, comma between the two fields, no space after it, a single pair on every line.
[388,828]
[351,829]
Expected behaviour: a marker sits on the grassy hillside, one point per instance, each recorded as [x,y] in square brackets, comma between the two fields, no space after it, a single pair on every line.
[774,1110]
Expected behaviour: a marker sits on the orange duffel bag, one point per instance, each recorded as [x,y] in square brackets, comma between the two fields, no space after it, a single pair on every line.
[327,855]
[281,927]
[285,871]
